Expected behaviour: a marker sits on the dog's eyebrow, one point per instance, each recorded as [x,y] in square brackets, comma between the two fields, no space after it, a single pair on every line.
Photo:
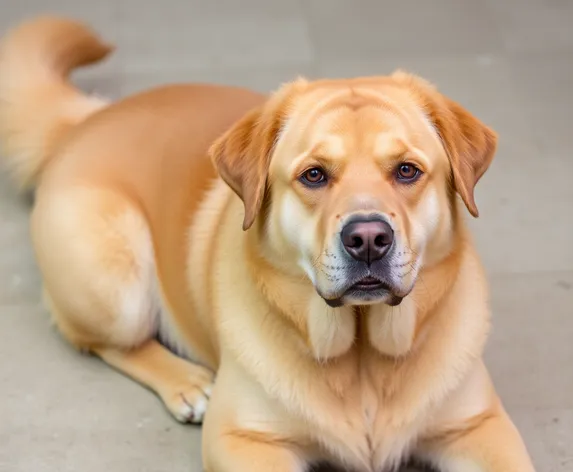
[321,153]
[330,146]
[419,153]
[388,144]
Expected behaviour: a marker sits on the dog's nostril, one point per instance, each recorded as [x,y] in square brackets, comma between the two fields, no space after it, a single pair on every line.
[357,241]
[383,239]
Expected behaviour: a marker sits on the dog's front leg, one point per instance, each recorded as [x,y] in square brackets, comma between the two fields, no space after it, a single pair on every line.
[491,445]
[246,431]
[243,451]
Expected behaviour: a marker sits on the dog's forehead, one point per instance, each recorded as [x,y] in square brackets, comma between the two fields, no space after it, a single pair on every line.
[377,118]
[348,123]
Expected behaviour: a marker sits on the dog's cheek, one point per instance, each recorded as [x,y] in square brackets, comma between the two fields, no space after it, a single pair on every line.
[425,221]
[299,228]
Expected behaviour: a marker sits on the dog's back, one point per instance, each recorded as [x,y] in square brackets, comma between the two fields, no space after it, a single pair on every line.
[117,189]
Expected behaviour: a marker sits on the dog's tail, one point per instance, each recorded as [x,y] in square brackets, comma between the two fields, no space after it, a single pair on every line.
[38,105]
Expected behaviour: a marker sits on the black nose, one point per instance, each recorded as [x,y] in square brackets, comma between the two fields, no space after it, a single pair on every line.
[367,241]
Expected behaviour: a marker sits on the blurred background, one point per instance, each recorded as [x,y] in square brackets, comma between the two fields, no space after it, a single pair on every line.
[508,61]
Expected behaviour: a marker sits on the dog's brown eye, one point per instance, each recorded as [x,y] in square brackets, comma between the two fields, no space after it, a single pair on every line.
[313,177]
[408,172]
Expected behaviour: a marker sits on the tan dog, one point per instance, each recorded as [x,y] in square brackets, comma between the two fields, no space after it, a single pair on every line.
[346,324]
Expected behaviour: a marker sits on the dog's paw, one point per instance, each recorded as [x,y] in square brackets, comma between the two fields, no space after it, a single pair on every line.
[187,398]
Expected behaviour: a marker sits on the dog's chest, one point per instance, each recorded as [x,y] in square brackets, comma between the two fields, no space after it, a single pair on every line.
[372,433]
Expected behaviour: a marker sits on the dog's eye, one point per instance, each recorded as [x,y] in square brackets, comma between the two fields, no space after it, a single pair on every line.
[407,172]
[313,177]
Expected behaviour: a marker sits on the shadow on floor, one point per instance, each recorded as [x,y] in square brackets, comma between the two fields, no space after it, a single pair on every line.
[406,468]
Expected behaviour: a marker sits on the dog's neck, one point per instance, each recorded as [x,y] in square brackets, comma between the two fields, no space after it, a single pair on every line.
[331,332]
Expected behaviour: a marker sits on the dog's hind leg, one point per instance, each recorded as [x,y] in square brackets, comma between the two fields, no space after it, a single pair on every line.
[95,252]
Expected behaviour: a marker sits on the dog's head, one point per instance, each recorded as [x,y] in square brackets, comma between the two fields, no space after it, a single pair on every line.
[354,181]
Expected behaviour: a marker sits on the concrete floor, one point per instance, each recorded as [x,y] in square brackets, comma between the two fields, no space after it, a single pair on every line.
[509,61]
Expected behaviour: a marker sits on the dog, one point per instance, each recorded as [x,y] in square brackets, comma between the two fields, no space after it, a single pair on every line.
[299,262]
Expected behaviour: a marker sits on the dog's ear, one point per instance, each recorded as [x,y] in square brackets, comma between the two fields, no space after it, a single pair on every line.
[242,155]
[469,143]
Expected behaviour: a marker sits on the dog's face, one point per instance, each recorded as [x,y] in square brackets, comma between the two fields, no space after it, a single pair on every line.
[360,179]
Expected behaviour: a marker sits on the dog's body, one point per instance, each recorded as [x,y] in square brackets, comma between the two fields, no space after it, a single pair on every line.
[137,239]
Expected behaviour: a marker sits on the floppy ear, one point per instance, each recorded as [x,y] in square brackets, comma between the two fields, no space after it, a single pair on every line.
[469,143]
[242,155]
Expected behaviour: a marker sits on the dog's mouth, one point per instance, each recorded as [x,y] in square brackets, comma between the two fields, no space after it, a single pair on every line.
[365,291]
[370,284]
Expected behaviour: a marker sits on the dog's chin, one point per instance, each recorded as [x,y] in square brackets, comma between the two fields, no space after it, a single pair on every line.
[366,292]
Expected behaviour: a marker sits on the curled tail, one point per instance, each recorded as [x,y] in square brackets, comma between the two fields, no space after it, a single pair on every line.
[38,104]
